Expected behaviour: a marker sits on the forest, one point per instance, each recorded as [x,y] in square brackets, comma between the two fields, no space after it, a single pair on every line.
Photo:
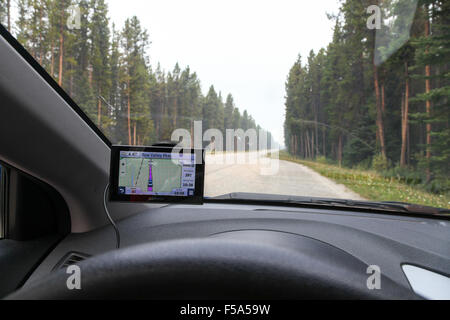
[106,70]
[377,98]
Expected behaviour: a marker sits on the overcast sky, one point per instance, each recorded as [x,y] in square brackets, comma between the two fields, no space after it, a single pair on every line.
[242,47]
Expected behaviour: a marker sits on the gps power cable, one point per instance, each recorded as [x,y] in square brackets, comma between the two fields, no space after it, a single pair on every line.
[116,230]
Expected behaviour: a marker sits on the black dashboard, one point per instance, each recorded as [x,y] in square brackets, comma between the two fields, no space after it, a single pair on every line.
[355,239]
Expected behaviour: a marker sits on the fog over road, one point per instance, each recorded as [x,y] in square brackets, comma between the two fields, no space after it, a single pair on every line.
[290,179]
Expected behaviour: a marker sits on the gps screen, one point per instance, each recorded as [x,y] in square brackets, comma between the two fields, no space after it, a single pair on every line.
[148,174]
[154,173]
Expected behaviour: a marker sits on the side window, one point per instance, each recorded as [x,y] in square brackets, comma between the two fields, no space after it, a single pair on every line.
[29,208]
[2,201]
[4,179]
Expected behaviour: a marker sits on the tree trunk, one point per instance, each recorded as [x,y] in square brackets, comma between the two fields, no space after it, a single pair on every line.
[405,119]
[293,144]
[8,7]
[40,35]
[52,66]
[428,103]
[71,84]
[308,151]
[379,121]
[324,138]
[192,135]
[99,110]
[408,146]
[175,116]
[302,149]
[90,76]
[134,134]
[317,139]
[306,142]
[316,127]
[402,115]
[61,49]
[129,114]
[308,146]
[340,150]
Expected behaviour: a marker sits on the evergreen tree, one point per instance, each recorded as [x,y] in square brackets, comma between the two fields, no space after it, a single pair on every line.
[107,72]
[135,79]
[210,109]
[433,55]
[220,114]
[228,112]
[368,85]
[99,58]
[3,13]
[236,119]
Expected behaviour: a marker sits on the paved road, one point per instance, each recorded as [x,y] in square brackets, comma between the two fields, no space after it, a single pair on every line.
[290,179]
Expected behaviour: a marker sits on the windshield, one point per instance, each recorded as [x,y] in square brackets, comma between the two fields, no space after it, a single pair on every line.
[334,99]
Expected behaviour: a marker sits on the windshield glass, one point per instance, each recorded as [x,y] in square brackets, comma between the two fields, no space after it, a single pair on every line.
[340,99]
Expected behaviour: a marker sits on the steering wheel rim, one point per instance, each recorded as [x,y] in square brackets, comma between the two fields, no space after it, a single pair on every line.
[202,269]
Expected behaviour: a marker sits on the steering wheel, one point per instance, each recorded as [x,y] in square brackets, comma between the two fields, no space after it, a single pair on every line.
[210,268]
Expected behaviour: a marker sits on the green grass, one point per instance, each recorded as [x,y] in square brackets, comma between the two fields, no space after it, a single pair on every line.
[372,186]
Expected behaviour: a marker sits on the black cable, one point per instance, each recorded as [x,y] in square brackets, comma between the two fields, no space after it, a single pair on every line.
[109,217]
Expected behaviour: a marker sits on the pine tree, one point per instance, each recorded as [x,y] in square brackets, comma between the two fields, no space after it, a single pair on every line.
[109,75]
[99,57]
[136,80]
[22,23]
[209,109]
[244,121]
[236,119]
[220,114]
[369,85]
[228,112]
[61,25]
[8,14]
[433,55]
[5,14]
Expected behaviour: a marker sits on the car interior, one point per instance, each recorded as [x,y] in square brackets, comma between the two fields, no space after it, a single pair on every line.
[55,212]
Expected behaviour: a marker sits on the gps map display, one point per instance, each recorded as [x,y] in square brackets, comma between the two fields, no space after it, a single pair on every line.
[156,173]
[160,174]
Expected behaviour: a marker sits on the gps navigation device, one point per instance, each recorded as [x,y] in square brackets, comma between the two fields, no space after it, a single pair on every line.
[156,174]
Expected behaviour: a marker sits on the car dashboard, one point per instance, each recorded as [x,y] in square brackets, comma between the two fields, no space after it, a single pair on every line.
[413,253]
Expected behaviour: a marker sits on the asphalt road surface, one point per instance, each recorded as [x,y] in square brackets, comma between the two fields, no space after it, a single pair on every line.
[290,178]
